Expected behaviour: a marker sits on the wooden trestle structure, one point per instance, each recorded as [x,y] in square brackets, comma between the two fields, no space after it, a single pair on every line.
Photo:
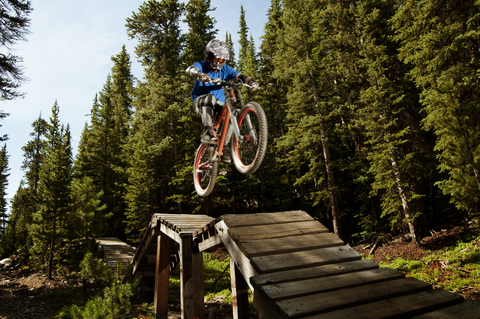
[292,264]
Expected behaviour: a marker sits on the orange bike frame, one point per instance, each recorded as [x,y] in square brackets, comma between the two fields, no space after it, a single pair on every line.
[224,113]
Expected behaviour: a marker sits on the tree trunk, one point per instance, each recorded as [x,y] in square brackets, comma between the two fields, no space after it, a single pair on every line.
[405,204]
[282,133]
[337,223]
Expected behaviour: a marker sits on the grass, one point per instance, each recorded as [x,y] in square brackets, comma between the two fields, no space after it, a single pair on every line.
[216,286]
[216,280]
[217,283]
[455,268]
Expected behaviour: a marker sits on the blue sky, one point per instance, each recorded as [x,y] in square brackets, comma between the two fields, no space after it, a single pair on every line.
[67,59]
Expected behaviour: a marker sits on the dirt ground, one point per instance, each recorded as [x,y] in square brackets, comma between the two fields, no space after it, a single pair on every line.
[28,295]
[25,296]
[443,235]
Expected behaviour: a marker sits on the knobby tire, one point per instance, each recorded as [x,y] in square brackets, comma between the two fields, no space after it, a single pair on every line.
[205,171]
[248,153]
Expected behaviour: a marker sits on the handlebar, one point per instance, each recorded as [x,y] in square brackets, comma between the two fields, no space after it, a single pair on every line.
[231,83]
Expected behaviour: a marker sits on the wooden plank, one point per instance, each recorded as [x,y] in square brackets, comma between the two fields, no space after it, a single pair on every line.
[312,272]
[339,299]
[304,259]
[406,307]
[239,289]
[191,230]
[465,310]
[264,247]
[170,233]
[277,230]
[265,309]
[310,286]
[242,262]
[162,273]
[209,243]
[173,216]
[186,222]
[236,220]
[185,219]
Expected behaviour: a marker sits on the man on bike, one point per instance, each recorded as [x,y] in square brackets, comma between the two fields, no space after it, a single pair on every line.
[208,98]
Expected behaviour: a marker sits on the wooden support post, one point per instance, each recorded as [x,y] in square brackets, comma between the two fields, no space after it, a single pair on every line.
[198,286]
[239,293]
[186,276]
[162,273]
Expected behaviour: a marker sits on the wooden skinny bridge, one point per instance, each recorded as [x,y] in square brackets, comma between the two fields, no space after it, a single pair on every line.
[292,264]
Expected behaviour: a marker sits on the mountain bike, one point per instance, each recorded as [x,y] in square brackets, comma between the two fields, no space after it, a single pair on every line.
[249,138]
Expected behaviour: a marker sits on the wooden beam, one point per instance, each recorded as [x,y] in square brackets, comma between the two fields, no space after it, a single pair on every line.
[242,262]
[198,286]
[162,274]
[239,293]
[186,276]
[151,234]
[170,233]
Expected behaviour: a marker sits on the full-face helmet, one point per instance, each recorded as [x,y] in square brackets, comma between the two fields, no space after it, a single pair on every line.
[216,53]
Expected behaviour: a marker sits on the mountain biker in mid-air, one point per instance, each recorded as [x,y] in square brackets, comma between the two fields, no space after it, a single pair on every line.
[207,97]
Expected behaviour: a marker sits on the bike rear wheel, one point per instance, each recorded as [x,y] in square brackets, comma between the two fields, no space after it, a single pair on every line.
[205,170]
[249,151]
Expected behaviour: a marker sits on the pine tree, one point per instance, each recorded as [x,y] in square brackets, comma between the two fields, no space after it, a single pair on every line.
[83,165]
[309,131]
[14,24]
[200,30]
[122,100]
[17,234]
[101,155]
[153,150]
[24,202]
[272,97]
[88,208]
[251,67]
[33,153]
[52,216]
[390,117]
[228,40]
[243,42]
[440,40]
[2,116]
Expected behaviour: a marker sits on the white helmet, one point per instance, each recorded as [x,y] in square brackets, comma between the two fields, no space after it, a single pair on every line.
[216,53]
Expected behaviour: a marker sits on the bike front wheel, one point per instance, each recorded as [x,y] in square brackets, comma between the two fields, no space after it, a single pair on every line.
[249,150]
[205,170]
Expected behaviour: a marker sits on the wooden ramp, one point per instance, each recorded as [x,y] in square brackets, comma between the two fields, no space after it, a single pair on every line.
[172,239]
[292,264]
[114,251]
[297,269]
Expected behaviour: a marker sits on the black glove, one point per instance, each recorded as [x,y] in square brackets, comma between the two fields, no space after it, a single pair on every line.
[203,77]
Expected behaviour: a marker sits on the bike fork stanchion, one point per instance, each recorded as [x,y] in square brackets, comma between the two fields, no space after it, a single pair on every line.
[250,129]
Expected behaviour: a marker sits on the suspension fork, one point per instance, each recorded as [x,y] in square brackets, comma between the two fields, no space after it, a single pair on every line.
[250,129]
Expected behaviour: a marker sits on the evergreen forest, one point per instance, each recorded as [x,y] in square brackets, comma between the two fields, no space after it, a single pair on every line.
[373,112]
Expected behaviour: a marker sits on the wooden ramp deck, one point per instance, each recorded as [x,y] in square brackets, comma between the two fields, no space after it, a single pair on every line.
[115,251]
[297,269]
[292,264]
